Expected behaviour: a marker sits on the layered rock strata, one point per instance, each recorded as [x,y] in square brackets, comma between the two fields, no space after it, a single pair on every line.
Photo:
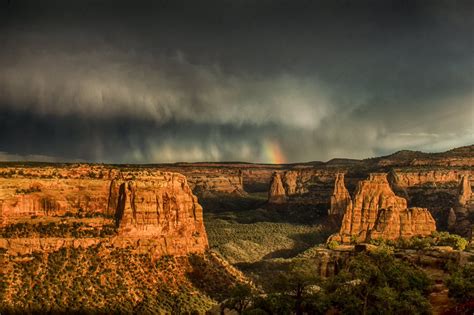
[377,212]
[164,210]
[25,197]
[157,214]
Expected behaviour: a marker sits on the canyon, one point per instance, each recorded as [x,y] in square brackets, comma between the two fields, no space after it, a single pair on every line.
[81,217]
[425,180]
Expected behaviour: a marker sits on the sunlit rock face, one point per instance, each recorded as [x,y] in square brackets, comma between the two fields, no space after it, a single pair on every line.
[154,212]
[163,210]
[25,197]
[377,212]
[276,194]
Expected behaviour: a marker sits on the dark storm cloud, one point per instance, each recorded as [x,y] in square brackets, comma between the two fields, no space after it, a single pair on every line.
[151,81]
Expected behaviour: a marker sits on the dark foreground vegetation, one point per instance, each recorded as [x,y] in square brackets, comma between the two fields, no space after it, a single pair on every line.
[370,283]
[98,280]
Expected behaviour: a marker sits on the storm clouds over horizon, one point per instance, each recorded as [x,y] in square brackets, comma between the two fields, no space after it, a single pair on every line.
[233,80]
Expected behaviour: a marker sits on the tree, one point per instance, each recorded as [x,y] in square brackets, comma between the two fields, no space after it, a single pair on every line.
[298,280]
[461,284]
[241,297]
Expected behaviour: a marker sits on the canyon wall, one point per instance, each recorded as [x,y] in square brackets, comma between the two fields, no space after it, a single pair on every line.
[154,212]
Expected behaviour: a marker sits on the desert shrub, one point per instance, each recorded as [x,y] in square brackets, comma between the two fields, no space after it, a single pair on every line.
[418,242]
[54,229]
[333,244]
[453,240]
[28,190]
[435,239]
[384,249]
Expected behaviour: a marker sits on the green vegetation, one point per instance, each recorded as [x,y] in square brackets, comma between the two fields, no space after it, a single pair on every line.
[461,283]
[367,284]
[81,213]
[420,242]
[102,280]
[242,242]
[54,229]
[28,190]
[333,244]
[241,230]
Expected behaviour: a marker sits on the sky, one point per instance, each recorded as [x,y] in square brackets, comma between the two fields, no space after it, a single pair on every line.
[233,80]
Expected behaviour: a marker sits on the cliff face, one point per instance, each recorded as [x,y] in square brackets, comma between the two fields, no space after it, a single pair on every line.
[154,212]
[377,212]
[341,199]
[163,210]
[405,223]
[305,187]
[25,197]
[438,178]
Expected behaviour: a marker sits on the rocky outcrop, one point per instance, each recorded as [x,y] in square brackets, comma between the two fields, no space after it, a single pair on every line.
[341,199]
[464,209]
[154,212]
[465,192]
[377,212]
[164,210]
[290,180]
[276,194]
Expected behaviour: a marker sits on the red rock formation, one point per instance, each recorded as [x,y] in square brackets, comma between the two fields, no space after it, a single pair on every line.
[465,191]
[341,199]
[393,224]
[156,213]
[290,182]
[411,178]
[378,212]
[276,194]
[464,208]
[212,183]
[164,210]
[23,197]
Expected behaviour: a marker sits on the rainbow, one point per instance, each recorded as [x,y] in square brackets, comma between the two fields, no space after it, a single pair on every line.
[272,152]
